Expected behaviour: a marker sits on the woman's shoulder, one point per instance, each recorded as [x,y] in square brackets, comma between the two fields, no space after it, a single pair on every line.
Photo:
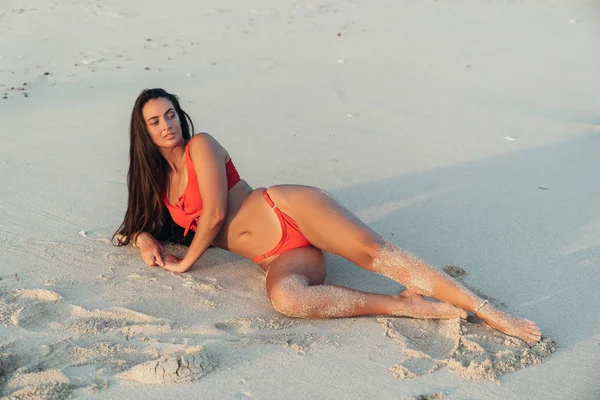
[203,142]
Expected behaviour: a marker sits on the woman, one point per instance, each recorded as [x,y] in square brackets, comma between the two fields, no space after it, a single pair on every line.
[285,229]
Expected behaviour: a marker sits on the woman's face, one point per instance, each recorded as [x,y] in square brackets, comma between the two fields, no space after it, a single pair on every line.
[162,122]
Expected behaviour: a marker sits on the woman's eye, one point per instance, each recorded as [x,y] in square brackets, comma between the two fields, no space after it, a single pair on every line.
[154,123]
[171,116]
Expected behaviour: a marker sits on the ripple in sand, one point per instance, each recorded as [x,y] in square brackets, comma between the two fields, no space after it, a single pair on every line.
[204,285]
[51,390]
[21,379]
[75,343]
[249,326]
[111,319]
[270,331]
[37,295]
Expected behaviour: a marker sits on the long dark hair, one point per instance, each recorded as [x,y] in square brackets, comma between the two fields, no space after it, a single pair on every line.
[148,171]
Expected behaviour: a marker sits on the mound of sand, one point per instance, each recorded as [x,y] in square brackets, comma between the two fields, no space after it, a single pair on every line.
[472,351]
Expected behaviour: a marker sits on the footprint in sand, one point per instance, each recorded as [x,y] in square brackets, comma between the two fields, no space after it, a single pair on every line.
[424,342]
[32,309]
[39,317]
[471,351]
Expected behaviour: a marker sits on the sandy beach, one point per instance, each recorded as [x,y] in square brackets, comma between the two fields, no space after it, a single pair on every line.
[465,132]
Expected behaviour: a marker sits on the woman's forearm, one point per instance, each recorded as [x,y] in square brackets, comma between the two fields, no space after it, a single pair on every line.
[206,231]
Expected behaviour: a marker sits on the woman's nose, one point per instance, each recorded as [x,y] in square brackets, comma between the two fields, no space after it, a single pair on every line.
[166,124]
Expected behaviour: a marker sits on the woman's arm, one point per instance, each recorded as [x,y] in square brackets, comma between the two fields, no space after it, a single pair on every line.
[208,157]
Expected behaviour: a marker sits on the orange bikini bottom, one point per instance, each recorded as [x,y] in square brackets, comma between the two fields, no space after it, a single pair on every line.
[291,237]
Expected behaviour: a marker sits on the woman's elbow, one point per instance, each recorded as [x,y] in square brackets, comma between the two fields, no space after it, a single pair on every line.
[217,217]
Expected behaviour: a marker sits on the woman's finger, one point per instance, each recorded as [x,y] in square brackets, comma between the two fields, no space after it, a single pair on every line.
[149,259]
[158,258]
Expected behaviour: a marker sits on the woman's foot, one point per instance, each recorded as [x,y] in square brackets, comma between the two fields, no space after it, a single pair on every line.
[521,328]
[411,304]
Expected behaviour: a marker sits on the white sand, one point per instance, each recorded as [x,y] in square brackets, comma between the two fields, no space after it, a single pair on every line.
[465,132]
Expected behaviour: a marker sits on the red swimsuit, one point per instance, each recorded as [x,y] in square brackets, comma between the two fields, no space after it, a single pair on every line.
[188,208]
[186,211]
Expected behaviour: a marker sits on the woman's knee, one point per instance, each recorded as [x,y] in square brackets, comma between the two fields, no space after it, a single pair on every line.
[288,296]
[371,248]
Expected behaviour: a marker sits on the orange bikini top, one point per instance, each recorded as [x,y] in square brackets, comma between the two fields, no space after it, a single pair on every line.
[187,209]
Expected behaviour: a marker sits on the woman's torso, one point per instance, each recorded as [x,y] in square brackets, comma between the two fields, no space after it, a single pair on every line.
[250,227]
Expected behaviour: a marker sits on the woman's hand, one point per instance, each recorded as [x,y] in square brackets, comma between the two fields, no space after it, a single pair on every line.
[152,250]
[173,264]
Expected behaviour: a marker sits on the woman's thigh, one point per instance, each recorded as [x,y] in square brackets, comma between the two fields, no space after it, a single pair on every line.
[326,223]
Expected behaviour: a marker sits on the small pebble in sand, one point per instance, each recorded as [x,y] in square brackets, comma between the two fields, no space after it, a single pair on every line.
[188,74]
[44,350]
[340,61]
[510,138]
[572,21]
[350,115]
[438,395]
[454,271]
[82,234]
